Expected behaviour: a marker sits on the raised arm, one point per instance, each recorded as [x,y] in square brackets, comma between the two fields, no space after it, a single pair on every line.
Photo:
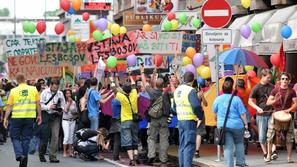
[143,78]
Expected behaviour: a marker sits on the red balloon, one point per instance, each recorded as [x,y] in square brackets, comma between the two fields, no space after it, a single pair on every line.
[275,60]
[251,74]
[86,16]
[41,27]
[158,60]
[65,5]
[171,16]
[59,28]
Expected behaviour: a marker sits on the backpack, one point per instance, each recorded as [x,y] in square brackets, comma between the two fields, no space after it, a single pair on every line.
[161,107]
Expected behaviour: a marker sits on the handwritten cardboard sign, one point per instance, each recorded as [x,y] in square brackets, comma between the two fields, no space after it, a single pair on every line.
[63,53]
[22,46]
[148,62]
[30,67]
[159,42]
[118,46]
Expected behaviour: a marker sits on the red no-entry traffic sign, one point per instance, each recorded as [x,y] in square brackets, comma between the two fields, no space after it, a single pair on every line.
[216,13]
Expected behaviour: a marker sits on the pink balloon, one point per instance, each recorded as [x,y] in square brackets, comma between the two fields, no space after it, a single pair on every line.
[198,59]
[191,68]
[251,74]
[131,59]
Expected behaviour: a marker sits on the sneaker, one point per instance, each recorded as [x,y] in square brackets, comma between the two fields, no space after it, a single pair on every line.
[266,158]
[23,161]
[197,155]
[151,161]
[54,160]
[42,158]
[274,155]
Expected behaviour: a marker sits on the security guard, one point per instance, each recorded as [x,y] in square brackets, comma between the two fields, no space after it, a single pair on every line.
[188,111]
[23,102]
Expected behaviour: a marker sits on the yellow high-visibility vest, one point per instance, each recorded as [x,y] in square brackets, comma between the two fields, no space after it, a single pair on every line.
[184,109]
[24,101]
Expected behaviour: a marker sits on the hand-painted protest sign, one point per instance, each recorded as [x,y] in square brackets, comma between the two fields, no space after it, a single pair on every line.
[63,53]
[119,46]
[159,42]
[148,62]
[30,67]
[191,40]
[22,46]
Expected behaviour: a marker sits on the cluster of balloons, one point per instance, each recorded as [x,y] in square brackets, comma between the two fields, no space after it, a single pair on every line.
[70,7]
[71,36]
[173,22]
[245,30]
[29,27]
[105,29]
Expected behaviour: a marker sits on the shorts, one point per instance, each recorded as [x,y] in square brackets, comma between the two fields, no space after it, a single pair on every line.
[271,133]
[262,124]
[201,129]
[129,134]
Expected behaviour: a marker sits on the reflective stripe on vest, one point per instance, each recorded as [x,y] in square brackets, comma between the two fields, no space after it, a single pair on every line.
[183,107]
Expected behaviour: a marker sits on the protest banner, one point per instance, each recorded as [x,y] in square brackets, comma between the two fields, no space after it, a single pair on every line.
[148,62]
[63,53]
[159,42]
[22,46]
[30,67]
[119,46]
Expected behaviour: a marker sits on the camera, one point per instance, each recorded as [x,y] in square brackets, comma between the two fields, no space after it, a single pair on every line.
[58,106]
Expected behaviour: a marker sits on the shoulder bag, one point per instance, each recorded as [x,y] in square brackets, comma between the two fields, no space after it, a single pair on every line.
[135,116]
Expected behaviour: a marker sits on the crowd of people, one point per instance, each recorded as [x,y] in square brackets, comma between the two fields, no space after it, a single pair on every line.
[145,111]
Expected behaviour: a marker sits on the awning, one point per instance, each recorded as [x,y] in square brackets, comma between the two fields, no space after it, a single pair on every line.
[291,43]
[235,27]
[255,38]
[271,37]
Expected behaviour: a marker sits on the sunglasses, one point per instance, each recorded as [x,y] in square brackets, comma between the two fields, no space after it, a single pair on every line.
[285,79]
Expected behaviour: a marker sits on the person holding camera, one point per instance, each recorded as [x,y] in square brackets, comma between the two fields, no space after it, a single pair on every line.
[52,105]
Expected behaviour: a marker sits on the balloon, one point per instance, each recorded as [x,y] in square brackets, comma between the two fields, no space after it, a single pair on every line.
[256,27]
[123,30]
[170,59]
[147,28]
[109,24]
[226,47]
[198,59]
[78,39]
[190,52]
[205,73]
[171,16]
[200,81]
[71,10]
[246,3]
[70,32]
[186,61]
[31,27]
[131,59]
[251,74]
[59,28]
[97,35]
[71,38]
[41,27]
[65,5]
[115,29]
[86,16]
[245,31]
[76,4]
[107,35]
[101,24]
[275,60]
[182,18]
[199,69]
[167,26]
[196,23]
[26,26]
[111,62]
[286,31]
[174,24]
[158,60]
[248,68]
[191,68]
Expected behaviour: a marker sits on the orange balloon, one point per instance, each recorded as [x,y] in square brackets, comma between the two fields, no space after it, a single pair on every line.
[70,32]
[147,28]
[190,52]
[226,47]
[199,1]
[76,4]
[78,39]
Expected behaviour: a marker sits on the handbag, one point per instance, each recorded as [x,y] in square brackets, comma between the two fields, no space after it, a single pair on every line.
[219,136]
[135,116]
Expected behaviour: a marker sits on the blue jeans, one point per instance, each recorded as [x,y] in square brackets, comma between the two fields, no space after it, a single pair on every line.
[94,121]
[234,137]
[21,133]
[187,142]
[262,124]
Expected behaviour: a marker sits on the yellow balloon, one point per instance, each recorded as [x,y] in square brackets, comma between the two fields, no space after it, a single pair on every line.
[248,68]
[246,3]
[123,30]
[109,25]
[199,69]
[174,23]
[186,61]
[78,39]
[205,73]
[115,29]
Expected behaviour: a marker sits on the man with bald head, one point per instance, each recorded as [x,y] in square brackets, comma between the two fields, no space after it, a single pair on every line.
[158,123]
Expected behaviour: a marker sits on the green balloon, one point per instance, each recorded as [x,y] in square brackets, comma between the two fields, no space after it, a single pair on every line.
[256,27]
[111,62]
[72,38]
[107,35]
[167,26]
[31,27]
[196,23]
[97,35]
[182,18]
[26,26]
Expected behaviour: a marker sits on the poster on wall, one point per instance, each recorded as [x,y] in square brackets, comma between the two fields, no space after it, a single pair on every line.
[155,6]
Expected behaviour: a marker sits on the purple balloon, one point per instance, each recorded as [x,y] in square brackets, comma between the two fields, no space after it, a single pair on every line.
[131,59]
[101,24]
[191,68]
[245,31]
[198,59]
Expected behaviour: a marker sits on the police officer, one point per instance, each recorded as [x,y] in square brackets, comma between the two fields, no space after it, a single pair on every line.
[188,111]
[23,102]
